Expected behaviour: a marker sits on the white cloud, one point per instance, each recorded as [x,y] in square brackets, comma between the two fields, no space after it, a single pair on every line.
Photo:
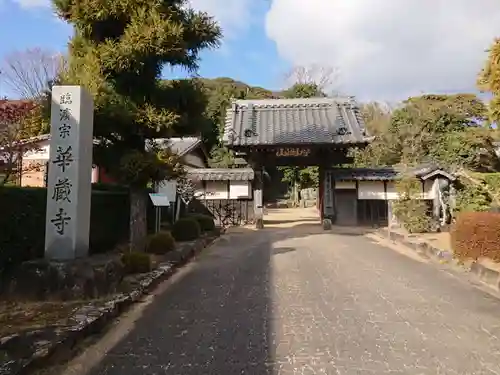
[29,4]
[233,16]
[388,49]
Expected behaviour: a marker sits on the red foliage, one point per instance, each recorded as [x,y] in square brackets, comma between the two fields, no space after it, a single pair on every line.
[476,235]
[13,111]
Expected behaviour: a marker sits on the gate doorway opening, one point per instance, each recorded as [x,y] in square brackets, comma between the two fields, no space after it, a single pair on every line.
[296,132]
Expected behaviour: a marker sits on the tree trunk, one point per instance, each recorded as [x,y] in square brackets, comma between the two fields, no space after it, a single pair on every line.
[138,219]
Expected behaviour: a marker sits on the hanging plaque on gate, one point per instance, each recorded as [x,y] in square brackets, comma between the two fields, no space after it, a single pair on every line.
[293,152]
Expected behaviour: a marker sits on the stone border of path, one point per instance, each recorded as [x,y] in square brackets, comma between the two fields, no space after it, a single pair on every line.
[485,274]
[91,319]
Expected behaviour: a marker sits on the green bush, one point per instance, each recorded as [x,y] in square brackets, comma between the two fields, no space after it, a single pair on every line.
[410,210]
[413,215]
[475,235]
[493,181]
[22,223]
[160,243]
[472,198]
[186,229]
[136,262]
[206,222]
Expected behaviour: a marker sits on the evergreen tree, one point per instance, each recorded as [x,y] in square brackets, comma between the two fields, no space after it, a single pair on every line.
[117,52]
[449,130]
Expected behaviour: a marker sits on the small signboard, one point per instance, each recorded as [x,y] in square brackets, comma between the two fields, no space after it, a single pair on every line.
[293,152]
[168,188]
[159,200]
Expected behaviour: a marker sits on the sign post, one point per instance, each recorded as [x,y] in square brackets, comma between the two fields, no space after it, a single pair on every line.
[164,194]
[69,174]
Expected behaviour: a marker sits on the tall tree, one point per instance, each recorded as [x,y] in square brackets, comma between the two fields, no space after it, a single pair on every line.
[324,78]
[377,117]
[220,93]
[118,51]
[304,90]
[489,80]
[447,129]
[28,73]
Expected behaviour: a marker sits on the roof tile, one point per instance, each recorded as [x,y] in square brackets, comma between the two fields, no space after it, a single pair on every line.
[386,173]
[294,121]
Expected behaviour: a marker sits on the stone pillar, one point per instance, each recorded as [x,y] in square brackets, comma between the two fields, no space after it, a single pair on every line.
[258,198]
[70,173]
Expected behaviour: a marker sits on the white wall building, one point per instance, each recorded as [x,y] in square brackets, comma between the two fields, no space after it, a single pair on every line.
[364,196]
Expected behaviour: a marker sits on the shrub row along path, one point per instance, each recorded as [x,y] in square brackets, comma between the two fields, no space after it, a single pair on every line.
[292,299]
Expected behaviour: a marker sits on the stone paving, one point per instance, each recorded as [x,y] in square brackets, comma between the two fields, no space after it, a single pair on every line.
[292,299]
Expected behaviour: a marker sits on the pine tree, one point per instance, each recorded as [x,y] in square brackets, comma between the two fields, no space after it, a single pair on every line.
[118,51]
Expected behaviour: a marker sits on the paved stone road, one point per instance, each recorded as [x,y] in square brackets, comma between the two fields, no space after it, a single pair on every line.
[294,300]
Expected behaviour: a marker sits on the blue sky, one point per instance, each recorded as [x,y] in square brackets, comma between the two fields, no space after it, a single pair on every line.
[383,50]
[247,55]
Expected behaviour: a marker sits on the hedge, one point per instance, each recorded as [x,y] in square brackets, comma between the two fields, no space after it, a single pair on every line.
[475,235]
[206,222]
[186,229]
[22,222]
[160,243]
[136,262]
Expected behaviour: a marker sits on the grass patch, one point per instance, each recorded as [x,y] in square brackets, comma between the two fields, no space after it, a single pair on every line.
[16,317]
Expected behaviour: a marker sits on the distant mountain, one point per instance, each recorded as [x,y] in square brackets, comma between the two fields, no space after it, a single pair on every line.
[238,89]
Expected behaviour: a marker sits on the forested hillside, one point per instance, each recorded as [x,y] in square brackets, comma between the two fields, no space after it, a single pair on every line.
[219,93]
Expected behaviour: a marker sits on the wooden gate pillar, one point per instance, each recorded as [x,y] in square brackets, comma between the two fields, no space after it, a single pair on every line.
[328,199]
[321,187]
[258,197]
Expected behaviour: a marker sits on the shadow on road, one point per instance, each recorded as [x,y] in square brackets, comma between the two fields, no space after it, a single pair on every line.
[215,320]
[218,318]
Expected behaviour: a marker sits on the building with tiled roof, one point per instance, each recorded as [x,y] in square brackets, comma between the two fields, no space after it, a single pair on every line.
[315,121]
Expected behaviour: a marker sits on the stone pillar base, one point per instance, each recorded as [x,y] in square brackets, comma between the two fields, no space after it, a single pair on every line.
[259,223]
[327,224]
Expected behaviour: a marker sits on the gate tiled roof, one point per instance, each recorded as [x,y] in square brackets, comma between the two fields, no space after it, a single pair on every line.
[294,121]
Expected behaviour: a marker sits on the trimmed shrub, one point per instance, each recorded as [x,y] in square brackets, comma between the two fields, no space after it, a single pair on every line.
[160,243]
[186,229]
[22,223]
[410,210]
[413,215]
[475,235]
[136,262]
[207,223]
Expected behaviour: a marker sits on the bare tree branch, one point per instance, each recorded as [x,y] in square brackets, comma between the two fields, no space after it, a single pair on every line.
[29,73]
[326,78]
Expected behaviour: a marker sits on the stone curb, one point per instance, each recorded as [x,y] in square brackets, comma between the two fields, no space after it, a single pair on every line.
[486,275]
[91,319]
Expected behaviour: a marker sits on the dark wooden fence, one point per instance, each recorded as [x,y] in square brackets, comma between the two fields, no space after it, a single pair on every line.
[226,212]
[372,212]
